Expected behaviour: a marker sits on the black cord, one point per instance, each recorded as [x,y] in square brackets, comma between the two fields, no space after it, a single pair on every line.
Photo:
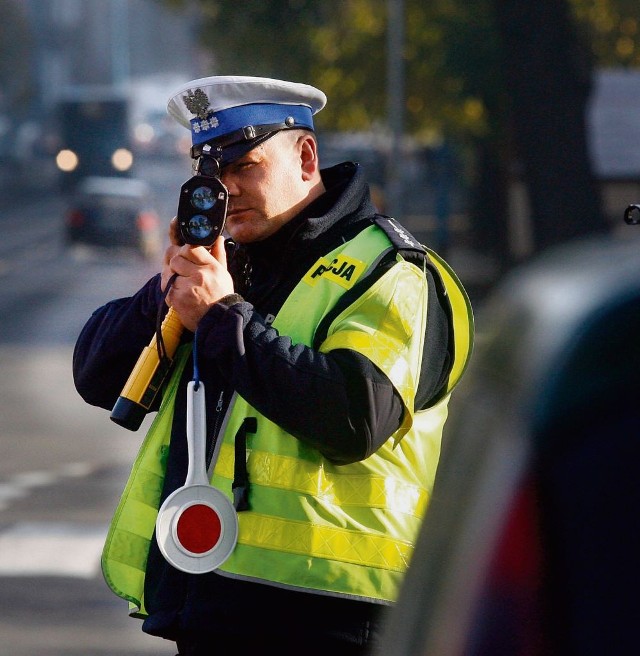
[162,350]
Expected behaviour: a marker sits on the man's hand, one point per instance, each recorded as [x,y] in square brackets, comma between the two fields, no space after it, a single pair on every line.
[202,278]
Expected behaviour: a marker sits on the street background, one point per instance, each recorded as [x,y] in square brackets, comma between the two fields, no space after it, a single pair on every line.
[492,130]
[63,463]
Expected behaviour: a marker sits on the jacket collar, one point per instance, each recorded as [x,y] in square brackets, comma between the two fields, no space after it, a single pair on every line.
[345,202]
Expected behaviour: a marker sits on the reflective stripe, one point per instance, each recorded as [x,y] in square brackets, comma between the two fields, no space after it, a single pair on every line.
[374,584]
[328,542]
[343,489]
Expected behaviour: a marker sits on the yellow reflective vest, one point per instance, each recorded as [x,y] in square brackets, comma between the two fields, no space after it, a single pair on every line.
[345,530]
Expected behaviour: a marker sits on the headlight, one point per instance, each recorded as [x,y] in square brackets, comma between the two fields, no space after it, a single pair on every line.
[67,160]
[122,159]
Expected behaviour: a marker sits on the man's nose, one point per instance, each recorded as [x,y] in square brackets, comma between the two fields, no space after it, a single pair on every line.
[229,182]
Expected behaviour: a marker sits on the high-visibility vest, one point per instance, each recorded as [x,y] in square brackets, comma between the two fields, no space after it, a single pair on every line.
[346,530]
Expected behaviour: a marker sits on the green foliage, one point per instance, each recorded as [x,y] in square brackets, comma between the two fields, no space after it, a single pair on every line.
[335,45]
[612,28]
[451,54]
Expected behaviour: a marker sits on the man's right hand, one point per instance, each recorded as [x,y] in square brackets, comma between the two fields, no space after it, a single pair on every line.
[203,278]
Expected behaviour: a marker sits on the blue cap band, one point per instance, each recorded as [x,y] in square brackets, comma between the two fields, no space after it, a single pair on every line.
[226,121]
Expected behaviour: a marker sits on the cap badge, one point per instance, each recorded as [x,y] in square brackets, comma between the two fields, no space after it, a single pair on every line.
[197,103]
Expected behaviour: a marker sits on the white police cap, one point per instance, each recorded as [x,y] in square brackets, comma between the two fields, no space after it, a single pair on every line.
[231,109]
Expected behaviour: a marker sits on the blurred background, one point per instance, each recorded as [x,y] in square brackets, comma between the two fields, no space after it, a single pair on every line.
[496,131]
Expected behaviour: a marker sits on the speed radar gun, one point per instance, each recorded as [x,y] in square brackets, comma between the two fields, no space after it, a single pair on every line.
[202,210]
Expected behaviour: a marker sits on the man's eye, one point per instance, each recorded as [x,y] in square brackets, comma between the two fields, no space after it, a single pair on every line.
[237,167]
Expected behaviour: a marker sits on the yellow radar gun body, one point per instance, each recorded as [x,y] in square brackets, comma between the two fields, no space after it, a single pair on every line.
[147,376]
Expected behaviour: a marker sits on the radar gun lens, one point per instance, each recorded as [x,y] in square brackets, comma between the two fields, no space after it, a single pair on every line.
[203,198]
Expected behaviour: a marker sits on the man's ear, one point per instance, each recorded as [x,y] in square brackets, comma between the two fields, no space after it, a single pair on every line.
[308,156]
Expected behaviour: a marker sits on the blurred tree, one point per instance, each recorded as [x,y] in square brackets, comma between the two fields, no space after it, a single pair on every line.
[611,27]
[548,71]
[336,45]
[505,78]
[15,81]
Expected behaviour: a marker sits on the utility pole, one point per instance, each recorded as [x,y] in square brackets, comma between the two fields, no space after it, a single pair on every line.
[119,43]
[395,106]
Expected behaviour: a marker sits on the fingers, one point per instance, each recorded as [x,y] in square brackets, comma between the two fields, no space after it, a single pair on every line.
[174,233]
[166,274]
[202,275]
[198,255]
[171,251]
[219,252]
[187,260]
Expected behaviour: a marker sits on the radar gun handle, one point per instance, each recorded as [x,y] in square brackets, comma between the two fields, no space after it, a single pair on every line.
[148,375]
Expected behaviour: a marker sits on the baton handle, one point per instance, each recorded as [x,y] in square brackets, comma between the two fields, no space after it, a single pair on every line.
[147,376]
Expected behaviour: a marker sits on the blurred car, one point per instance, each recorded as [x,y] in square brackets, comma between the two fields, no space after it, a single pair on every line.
[114,213]
[157,134]
[530,546]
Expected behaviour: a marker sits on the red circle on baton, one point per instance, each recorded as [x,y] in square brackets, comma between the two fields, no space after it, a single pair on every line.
[198,528]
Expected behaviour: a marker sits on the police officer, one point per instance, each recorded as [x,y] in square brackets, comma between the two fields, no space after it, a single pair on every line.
[328,343]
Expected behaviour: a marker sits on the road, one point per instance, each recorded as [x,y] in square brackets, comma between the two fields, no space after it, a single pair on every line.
[63,463]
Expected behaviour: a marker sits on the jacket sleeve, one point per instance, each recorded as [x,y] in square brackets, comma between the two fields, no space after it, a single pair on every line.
[111,342]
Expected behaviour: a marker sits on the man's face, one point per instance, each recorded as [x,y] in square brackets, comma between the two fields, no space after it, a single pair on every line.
[266,188]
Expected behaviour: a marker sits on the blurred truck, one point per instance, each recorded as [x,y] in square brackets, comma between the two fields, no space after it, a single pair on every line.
[93,135]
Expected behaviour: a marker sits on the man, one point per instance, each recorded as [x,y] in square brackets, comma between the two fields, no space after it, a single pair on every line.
[328,342]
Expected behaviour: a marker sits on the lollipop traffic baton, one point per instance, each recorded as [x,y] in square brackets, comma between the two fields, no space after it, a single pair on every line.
[148,375]
[197,525]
